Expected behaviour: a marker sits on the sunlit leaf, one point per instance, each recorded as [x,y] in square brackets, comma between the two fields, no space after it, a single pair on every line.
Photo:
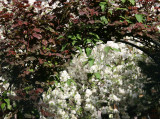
[104,20]
[107,49]
[3,106]
[31,70]
[132,1]
[94,35]
[139,17]
[103,6]
[91,62]
[115,49]
[97,75]
[78,36]
[123,1]
[7,101]
[88,51]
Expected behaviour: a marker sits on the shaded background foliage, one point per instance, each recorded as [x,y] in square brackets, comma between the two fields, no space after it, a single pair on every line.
[38,41]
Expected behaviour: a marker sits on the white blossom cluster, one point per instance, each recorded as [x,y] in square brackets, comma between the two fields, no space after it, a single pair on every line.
[4,86]
[105,82]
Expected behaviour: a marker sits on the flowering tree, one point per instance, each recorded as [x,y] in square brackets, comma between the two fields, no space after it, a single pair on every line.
[38,39]
[108,81]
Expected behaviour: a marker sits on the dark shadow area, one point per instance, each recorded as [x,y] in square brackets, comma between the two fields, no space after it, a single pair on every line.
[152,92]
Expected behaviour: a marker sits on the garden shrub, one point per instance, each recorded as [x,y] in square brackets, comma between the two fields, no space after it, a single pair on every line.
[107,80]
[38,40]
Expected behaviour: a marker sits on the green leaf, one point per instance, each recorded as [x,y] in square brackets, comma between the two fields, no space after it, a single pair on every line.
[115,49]
[108,65]
[69,81]
[7,101]
[103,6]
[104,20]
[64,46]
[122,17]
[88,51]
[84,63]
[107,49]
[158,28]
[129,21]
[61,37]
[4,94]
[122,9]
[28,88]
[79,48]
[71,37]
[88,40]
[97,75]
[56,83]
[9,107]
[91,62]
[74,42]
[139,17]
[132,1]
[93,34]
[110,11]
[3,105]
[123,1]
[31,70]
[78,36]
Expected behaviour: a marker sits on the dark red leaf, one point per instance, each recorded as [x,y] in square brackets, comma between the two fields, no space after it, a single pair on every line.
[50,54]
[51,83]
[30,14]
[51,40]
[51,17]
[24,32]
[44,42]
[66,51]
[51,24]
[44,113]
[40,61]
[14,25]
[33,97]
[67,56]
[26,72]
[59,55]
[41,52]
[11,53]
[39,90]
[37,30]
[140,33]
[20,23]
[38,36]
[91,21]
[81,12]
[25,22]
